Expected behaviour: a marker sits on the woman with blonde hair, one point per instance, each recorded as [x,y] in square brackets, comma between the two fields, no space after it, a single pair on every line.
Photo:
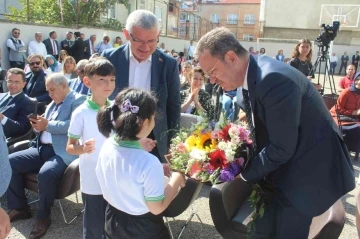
[69,68]
[186,74]
[62,55]
[301,60]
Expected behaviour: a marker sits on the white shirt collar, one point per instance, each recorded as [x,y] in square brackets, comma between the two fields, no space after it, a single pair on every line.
[245,85]
[132,55]
[13,96]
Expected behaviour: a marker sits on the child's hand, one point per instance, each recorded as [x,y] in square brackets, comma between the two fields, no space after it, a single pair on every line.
[167,170]
[147,144]
[89,146]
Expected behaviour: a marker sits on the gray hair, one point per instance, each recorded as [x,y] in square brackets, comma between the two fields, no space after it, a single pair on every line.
[144,19]
[81,63]
[218,42]
[57,78]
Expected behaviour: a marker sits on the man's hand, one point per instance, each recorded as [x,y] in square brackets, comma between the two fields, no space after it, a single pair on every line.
[167,170]
[5,225]
[1,116]
[147,144]
[39,124]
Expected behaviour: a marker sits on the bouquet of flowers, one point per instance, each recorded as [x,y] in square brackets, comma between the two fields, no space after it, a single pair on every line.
[210,151]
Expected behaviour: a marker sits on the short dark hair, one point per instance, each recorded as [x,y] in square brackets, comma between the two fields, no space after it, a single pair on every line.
[77,34]
[14,29]
[127,124]
[51,33]
[16,71]
[99,66]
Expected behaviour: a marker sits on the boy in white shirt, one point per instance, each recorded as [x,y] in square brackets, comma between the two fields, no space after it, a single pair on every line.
[86,140]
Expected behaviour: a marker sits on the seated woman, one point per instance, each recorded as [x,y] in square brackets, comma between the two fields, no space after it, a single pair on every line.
[185,75]
[347,114]
[69,68]
[54,65]
[195,100]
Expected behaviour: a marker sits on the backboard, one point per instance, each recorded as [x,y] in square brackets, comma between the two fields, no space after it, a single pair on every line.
[347,14]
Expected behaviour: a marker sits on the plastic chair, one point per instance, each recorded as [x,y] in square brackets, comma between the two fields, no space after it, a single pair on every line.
[183,200]
[231,213]
[69,183]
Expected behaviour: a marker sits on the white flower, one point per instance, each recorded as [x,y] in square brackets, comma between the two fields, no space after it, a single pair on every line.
[198,155]
[234,131]
[222,145]
[235,140]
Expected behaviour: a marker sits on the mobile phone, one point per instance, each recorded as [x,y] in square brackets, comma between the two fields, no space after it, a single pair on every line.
[32,116]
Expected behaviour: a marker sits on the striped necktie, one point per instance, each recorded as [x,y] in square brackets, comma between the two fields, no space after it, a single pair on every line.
[5,102]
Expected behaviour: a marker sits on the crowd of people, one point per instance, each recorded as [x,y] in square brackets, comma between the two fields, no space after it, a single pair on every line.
[116,107]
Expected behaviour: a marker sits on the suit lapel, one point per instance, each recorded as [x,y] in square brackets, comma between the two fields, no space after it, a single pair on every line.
[122,71]
[65,103]
[156,65]
[252,78]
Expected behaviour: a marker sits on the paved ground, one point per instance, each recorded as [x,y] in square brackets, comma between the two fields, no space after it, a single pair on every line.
[59,230]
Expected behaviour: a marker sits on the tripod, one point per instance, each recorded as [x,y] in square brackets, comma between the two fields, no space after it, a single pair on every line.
[323,57]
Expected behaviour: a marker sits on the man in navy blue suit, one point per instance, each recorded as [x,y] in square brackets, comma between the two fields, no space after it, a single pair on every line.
[35,80]
[300,157]
[15,106]
[140,65]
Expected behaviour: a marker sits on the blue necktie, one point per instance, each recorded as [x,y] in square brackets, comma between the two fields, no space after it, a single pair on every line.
[247,109]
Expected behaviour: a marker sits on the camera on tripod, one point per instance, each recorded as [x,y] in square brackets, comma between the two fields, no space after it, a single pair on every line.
[327,34]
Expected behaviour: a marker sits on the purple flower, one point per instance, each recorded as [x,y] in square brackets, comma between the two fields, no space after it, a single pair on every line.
[234,168]
[226,176]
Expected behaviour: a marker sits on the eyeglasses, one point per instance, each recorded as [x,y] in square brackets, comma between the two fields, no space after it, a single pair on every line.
[35,63]
[150,42]
[17,33]
[10,82]
[212,70]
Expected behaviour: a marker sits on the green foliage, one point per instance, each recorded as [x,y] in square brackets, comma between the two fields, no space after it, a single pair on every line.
[74,12]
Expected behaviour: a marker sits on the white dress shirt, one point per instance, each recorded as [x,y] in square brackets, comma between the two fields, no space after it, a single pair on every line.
[333,59]
[37,48]
[140,73]
[45,137]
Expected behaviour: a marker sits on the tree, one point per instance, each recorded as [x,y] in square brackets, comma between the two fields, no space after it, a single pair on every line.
[65,12]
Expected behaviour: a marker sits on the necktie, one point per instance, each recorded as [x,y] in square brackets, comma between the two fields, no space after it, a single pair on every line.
[5,102]
[54,48]
[51,116]
[249,117]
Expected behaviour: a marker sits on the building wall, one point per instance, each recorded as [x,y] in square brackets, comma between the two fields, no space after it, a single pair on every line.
[299,19]
[239,29]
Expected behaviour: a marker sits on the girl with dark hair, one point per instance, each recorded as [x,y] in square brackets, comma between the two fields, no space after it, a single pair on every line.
[131,179]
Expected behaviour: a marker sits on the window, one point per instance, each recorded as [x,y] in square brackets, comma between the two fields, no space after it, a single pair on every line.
[171,7]
[184,17]
[142,4]
[249,19]
[158,12]
[215,18]
[248,37]
[232,19]
[110,13]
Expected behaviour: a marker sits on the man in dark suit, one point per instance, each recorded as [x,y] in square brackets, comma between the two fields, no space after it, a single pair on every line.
[65,44]
[90,46]
[157,72]
[35,80]
[300,158]
[77,50]
[15,106]
[47,155]
[355,60]
[51,44]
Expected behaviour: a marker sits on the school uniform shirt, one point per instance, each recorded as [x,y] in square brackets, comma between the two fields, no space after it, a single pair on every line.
[83,126]
[129,176]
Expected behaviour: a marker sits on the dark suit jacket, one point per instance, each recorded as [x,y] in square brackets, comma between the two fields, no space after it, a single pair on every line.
[301,150]
[65,45]
[87,51]
[77,50]
[165,83]
[17,111]
[38,91]
[49,47]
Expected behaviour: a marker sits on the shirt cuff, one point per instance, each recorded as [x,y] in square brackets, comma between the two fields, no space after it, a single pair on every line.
[3,121]
[242,177]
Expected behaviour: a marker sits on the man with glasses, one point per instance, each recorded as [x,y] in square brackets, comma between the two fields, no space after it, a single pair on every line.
[140,64]
[16,49]
[77,84]
[15,106]
[35,80]
[37,46]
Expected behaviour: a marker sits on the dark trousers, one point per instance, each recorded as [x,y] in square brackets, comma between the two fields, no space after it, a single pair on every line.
[281,220]
[119,224]
[17,64]
[50,168]
[94,216]
[343,65]
[332,67]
